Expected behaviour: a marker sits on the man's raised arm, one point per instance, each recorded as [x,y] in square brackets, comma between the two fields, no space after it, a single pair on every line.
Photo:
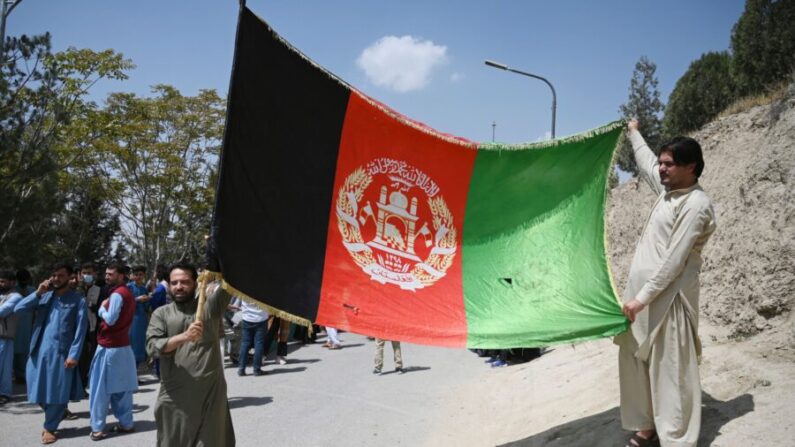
[644,158]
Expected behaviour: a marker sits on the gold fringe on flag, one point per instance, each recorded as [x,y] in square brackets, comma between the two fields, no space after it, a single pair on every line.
[209,276]
[556,142]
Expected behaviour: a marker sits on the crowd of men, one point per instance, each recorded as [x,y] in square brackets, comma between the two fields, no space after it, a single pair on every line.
[78,335]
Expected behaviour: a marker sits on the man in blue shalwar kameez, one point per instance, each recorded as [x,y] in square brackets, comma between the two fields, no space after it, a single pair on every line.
[113,377]
[24,327]
[58,334]
[141,318]
[8,325]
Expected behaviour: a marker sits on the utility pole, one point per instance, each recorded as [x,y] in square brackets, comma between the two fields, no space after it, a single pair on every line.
[8,6]
[493,130]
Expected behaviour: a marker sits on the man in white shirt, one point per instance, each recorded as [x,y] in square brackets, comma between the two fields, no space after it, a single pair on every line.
[255,326]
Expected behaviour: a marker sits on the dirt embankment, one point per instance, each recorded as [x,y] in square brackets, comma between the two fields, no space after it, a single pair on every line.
[748,278]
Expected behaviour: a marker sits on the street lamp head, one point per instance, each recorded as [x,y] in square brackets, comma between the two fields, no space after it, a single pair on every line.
[540,78]
[496,65]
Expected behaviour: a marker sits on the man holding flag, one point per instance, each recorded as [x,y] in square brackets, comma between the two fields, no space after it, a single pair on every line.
[192,407]
[658,357]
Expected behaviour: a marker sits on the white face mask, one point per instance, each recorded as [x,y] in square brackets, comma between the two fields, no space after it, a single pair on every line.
[88,279]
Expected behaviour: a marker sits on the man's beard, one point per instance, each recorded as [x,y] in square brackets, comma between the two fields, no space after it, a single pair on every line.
[5,290]
[184,299]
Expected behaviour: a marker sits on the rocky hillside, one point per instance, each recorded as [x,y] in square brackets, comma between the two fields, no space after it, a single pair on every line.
[748,279]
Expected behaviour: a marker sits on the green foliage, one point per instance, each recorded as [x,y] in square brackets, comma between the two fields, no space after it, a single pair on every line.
[704,91]
[41,95]
[158,162]
[643,104]
[85,230]
[763,45]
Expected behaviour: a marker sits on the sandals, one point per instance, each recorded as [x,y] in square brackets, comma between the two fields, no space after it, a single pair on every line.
[654,441]
[119,429]
[48,437]
[98,435]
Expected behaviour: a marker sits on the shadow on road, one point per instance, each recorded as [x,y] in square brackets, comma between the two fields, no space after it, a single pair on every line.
[74,432]
[350,345]
[285,370]
[139,408]
[82,414]
[604,429]
[292,361]
[408,369]
[248,401]
[20,405]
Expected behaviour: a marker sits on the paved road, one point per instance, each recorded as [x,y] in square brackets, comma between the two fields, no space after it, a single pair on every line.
[320,398]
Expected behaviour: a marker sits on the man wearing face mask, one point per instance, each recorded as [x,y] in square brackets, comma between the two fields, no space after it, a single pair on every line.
[192,407]
[87,279]
[59,330]
[8,324]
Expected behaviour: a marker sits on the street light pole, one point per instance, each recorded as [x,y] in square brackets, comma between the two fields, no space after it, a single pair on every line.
[554,95]
[7,7]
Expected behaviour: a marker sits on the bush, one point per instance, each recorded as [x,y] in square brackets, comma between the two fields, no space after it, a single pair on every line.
[704,91]
[763,45]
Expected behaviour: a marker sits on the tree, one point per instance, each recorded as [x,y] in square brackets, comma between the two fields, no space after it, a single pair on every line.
[704,91]
[643,104]
[159,159]
[763,45]
[86,229]
[41,93]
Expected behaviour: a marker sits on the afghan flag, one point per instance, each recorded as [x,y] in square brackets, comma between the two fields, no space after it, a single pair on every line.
[334,209]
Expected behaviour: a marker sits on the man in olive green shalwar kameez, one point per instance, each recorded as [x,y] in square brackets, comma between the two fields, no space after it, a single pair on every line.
[658,357]
[192,407]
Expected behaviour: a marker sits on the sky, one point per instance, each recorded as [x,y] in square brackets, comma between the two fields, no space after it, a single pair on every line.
[424,59]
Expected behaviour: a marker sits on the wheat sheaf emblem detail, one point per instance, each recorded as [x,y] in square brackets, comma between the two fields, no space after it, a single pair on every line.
[395,224]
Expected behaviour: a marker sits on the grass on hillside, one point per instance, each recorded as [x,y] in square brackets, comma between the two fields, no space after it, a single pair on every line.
[776,93]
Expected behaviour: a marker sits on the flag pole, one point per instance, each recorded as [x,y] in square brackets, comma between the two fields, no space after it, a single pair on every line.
[212,272]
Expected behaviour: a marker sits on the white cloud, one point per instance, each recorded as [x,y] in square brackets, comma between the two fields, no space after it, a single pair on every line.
[401,63]
[455,77]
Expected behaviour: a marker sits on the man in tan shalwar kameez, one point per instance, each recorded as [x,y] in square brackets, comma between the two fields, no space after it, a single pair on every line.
[658,356]
[192,407]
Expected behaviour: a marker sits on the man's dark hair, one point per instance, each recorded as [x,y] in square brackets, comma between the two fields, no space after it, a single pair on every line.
[182,265]
[24,277]
[139,269]
[161,272]
[88,265]
[684,151]
[119,267]
[8,275]
[63,265]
